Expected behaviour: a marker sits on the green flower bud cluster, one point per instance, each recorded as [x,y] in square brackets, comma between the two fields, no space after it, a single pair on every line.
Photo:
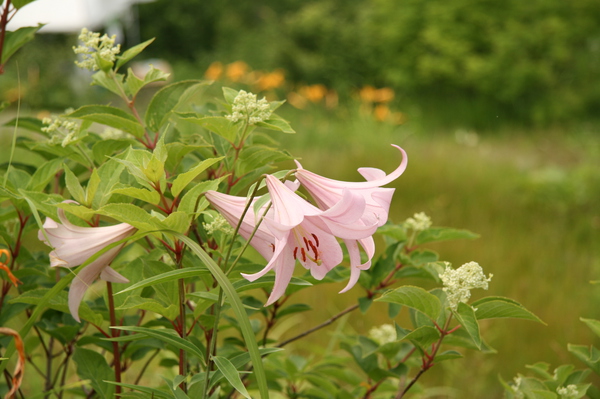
[568,392]
[96,46]
[383,334]
[218,224]
[247,107]
[419,222]
[63,131]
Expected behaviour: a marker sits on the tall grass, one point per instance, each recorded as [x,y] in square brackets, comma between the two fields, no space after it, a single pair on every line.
[533,197]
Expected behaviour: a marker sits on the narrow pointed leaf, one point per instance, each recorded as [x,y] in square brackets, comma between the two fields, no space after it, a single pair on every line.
[165,336]
[165,277]
[182,180]
[231,374]
[130,53]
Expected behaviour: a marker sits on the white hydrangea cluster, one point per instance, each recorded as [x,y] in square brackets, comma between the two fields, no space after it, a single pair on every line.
[383,334]
[459,283]
[218,224]
[247,107]
[568,392]
[63,131]
[94,44]
[419,222]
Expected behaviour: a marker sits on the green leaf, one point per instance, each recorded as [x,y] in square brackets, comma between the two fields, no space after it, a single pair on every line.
[435,234]
[107,147]
[58,301]
[168,310]
[74,187]
[231,374]
[133,84]
[164,335]
[135,216]
[500,307]
[594,325]
[113,84]
[178,221]
[466,317]
[257,156]
[416,298]
[93,367]
[130,53]
[193,196]
[423,336]
[154,170]
[80,211]
[265,282]
[44,174]
[15,40]
[109,174]
[165,277]
[182,180]
[29,123]
[588,355]
[448,355]
[216,124]
[275,122]
[229,94]
[153,392]
[110,116]
[165,101]
[239,310]
[151,197]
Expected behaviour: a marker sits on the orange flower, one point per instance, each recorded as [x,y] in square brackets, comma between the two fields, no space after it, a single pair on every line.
[297,100]
[236,71]
[214,71]
[370,94]
[381,112]
[313,93]
[4,267]
[271,80]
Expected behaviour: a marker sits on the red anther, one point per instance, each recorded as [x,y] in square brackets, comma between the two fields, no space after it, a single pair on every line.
[314,249]
[303,252]
[273,247]
[316,239]
[305,242]
[295,252]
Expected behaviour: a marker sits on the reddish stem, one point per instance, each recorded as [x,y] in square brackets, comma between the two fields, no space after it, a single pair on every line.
[115,334]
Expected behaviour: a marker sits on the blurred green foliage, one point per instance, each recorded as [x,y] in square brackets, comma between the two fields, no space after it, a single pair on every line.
[463,63]
[535,62]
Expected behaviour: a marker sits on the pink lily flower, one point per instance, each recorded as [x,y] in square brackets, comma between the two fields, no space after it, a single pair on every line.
[231,208]
[297,230]
[328,192]
[73,245]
